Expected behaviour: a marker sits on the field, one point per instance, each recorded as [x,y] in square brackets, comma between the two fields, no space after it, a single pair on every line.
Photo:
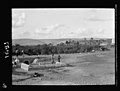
[81,69]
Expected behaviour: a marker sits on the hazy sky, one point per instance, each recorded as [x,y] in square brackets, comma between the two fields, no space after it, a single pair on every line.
[63,23]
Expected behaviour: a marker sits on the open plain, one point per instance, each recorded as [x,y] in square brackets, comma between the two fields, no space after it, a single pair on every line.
[81,69]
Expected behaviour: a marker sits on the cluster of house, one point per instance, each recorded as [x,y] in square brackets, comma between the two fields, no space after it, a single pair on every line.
[104,44]
[101,42]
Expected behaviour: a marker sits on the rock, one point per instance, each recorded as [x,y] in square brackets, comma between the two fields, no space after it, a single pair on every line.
[35,61]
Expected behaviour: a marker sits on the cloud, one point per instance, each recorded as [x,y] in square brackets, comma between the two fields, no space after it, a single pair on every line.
[63,31]
[100,30]
[52,31]
[60,31]
[57,28]
[81,30]
[25,34]
[42,31]
[75,33]
[98,15]
[91,32]
[18,19]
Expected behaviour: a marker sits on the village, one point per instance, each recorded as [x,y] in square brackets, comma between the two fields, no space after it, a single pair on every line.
[26,64]
[63,46]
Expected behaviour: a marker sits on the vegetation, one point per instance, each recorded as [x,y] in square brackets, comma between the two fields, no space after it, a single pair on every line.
[67,47]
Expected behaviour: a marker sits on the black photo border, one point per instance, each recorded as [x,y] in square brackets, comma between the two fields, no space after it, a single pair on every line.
[6,65]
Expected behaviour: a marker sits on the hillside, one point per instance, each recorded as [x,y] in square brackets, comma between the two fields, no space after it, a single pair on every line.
[43,41]
[27,42]
[36,41]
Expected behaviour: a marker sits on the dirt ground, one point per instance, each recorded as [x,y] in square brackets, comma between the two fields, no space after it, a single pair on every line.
[81,69]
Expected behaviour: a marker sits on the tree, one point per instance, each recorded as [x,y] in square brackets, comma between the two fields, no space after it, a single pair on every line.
[44,49]
[17,45]
[91,41]
[67,42]
[54,49]
[30,52]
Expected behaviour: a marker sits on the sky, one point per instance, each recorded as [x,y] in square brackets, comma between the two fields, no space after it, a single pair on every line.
[46,23]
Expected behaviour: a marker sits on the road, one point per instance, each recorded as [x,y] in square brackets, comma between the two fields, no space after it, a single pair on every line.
[88,69]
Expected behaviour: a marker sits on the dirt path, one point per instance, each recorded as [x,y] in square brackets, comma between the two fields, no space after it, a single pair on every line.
[93,69]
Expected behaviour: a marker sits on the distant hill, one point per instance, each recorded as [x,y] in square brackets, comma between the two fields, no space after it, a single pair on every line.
[27,41]
[43,41]
[37,41]
[54,41]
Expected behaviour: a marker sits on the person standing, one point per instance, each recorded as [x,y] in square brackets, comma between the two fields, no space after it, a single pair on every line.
[53,59]
[22,53]
[16,51]
[59,57]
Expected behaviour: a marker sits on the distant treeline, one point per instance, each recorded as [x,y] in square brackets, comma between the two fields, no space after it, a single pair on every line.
[47,49]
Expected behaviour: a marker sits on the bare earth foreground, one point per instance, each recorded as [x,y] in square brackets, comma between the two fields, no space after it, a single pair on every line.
[82,69]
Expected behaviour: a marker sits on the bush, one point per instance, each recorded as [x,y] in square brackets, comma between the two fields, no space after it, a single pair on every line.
[59,48]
